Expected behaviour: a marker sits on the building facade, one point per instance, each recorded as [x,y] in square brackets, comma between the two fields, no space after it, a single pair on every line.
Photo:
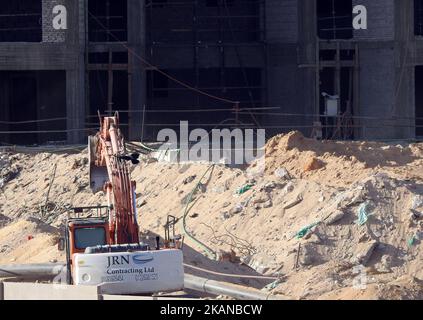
[163,61]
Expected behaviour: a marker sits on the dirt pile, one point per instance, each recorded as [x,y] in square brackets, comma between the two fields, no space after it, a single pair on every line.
[329,219]
[341,163]
[29,241]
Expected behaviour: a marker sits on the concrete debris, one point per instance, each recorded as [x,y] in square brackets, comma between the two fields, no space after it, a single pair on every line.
[335,217]
[260,262]
[415,215]
[268,204]
[4,220]
[78,163]
[229,256]
[259,198]
[364,252]
[384,266]
[288,188]
[307,255]
[417,202]
[283,174]
[293,203]
[236,209]
[189,179]
[225,215]
[268,187]
[312,237]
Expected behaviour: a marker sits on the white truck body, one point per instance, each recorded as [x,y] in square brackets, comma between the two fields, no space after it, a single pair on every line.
[131,272]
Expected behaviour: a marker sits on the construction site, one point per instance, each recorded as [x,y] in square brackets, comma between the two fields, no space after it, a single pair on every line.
[332,210]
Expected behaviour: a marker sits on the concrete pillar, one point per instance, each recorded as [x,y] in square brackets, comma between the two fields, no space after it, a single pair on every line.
[405,52]
[291,34]
[75,106]
[377,92]
[75,74]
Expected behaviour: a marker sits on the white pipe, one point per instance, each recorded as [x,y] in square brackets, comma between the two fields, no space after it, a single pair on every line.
[221,288]
[31,270]
[191,282]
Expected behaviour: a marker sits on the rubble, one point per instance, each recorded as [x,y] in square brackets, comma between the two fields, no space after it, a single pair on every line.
[283,174]
[237,209]
[335,217]
[364,252]
[277,205]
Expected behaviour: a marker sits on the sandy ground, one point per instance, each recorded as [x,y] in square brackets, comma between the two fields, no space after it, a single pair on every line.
[306,182]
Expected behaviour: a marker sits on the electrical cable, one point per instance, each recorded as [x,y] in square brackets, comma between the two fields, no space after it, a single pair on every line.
[155,68]
[208,251]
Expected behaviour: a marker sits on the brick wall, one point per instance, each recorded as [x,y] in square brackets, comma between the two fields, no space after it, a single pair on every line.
[282,20]
[49,33]
[381,20]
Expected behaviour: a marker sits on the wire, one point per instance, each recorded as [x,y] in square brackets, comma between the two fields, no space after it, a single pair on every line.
[155,68]
[196,109]
[209,251]
[241,65]
[282,114]
[33,121]
[403,67]
[141,111]
[47,131]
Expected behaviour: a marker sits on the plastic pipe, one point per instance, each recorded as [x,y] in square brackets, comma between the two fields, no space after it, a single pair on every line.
[31,270]
[221,288]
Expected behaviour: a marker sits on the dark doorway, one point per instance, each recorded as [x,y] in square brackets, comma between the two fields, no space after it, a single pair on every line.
[32,107]
[23,106]
[419,101]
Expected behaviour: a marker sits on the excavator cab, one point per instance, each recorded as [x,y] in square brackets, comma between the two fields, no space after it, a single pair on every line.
[83,230]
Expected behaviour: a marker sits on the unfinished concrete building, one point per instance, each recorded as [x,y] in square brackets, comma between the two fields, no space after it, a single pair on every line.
[281,59]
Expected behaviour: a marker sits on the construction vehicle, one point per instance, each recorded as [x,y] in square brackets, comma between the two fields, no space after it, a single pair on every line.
[102,242]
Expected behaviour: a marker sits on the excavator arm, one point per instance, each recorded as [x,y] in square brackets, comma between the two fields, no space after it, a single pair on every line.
[106,250]
[109,170]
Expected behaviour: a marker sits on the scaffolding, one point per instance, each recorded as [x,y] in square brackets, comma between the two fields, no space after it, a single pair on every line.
[20,21]
[194,29]
[108,67]
[334,19]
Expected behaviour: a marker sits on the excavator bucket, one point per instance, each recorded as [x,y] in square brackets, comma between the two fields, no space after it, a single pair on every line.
[98,175]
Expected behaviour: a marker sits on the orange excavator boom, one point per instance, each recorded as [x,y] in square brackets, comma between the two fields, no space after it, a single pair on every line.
[108,166]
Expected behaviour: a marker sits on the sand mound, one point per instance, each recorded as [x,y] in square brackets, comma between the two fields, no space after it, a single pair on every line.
[322,215]
[28,241]
[341,163]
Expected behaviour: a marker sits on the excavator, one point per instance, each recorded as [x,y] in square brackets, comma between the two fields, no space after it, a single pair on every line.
[102,243]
